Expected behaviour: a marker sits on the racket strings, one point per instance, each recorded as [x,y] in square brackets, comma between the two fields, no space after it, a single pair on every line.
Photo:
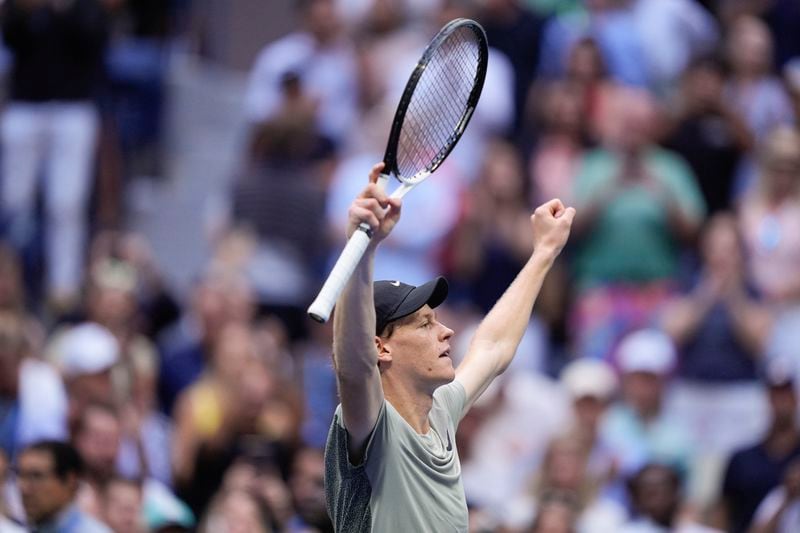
[439,103]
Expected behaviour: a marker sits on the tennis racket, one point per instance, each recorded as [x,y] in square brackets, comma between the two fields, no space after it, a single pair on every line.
[434,110]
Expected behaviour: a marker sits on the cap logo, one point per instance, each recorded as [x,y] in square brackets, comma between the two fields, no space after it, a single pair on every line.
[394,283]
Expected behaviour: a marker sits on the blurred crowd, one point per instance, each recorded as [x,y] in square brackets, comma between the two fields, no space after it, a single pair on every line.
[656,388]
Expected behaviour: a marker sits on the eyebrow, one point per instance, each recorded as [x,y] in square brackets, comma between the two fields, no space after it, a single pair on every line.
[428,315]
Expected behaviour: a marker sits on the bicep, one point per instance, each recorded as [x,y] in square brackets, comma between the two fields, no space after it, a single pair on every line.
[361,401]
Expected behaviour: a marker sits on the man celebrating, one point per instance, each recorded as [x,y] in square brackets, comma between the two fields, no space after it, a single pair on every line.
[391,461]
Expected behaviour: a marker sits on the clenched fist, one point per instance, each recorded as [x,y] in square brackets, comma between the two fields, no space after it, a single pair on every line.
[551,224]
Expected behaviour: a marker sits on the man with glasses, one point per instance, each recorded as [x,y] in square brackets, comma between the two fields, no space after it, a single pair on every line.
[48,478]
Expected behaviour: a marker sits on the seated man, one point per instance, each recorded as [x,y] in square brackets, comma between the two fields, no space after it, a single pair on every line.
[48,474]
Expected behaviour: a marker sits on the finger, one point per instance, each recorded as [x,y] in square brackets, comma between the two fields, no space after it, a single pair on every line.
[395,208]
[569,214]
[360,214]
[372,205]
[375,172]
[374,191]
[555,207]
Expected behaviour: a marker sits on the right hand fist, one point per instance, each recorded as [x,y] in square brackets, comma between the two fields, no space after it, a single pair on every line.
[551,224]
[374,208]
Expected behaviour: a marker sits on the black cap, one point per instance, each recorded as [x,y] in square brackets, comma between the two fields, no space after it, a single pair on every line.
[395,299]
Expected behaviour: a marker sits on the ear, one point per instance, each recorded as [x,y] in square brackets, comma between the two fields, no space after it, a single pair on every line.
[384,351]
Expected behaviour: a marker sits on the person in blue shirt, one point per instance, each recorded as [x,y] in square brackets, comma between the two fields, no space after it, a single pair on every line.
[48,474]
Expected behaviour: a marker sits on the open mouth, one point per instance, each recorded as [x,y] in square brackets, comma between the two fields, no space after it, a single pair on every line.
[445,353]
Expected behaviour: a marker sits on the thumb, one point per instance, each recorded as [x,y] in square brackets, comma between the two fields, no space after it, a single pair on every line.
[568,214]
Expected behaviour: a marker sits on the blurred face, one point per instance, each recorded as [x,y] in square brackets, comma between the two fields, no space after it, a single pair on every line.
[750,46]
[588,411]
[419,349]
[642,391]
[503,173]
[98,442]
[568,110]
[566,463]
[781,169]
[44,495]
[234,350]
[585,62]
[112,307]
[656,494]
[123,506]
[720,245]
[554,517]
[630,120]
[702,87]
[307,486]
[783,401]
[322,19]
[239,513]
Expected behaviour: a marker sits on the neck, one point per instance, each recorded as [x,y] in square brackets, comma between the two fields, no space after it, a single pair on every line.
[412,404]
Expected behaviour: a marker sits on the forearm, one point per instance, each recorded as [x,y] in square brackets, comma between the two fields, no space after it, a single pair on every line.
[354,324]
[500,332]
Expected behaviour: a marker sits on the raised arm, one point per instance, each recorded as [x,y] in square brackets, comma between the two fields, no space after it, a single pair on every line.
[355,357]
[495,342]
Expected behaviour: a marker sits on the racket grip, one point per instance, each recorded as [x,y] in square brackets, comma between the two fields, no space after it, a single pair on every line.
[321,307]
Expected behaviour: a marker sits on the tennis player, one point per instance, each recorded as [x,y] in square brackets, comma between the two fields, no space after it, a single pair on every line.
[391,463]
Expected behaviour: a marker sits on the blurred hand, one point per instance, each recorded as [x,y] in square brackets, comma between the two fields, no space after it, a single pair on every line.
[375,208]
[551,223]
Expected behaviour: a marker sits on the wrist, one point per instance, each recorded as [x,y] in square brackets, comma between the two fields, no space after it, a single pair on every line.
[545,254]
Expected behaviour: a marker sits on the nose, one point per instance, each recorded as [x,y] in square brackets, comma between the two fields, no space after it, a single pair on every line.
[447,332]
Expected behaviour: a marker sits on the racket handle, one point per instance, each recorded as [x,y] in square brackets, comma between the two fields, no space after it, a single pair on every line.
[321,307]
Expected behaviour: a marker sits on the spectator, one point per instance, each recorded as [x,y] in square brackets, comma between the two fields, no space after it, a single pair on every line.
[122,507]
[48,474]
[591,386]
[720,327]
[491,242]
[321,60]
[753,472]
[565,469]
[32,395]
[638,204]
[709,133]
[677,31]
[51,122]
[768,216]
[306,484]
[657,499]
[7,523]
[217,299]
[753,90]
[638,429]
[512,28]
[235,510]
[613,25]
[86,355]
[780,510]
[558,513]
[97,440]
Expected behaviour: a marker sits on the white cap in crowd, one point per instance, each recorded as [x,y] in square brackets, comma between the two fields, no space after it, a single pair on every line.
[646,350]
[589,377]
[88,348]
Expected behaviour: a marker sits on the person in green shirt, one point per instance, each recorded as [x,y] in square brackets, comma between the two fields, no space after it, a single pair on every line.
[640,207]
